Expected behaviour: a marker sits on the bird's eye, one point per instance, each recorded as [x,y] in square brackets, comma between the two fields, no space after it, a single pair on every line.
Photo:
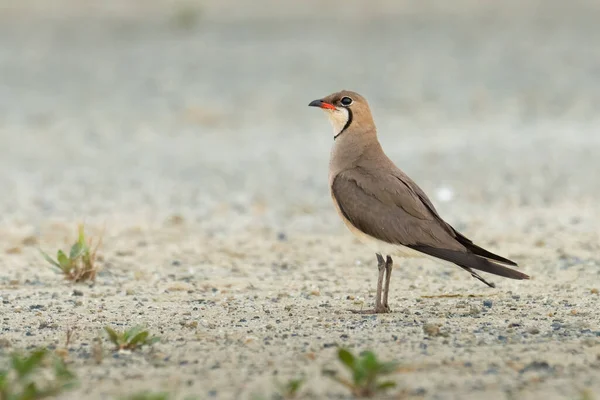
[346,101]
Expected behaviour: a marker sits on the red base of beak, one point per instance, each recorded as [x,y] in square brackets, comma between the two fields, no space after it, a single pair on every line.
[321,104]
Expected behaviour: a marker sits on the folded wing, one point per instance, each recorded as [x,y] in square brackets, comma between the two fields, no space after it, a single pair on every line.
[393,209]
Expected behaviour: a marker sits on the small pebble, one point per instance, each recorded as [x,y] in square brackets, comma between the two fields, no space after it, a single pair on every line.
[536,366]
[431,329]
[14,250]
[30,241]
[474,310]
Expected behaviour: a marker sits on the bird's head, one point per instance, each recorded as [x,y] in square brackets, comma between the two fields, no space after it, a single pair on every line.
[347,111]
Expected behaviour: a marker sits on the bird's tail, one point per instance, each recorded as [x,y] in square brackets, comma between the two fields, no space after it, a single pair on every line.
[473,248]
[470,261]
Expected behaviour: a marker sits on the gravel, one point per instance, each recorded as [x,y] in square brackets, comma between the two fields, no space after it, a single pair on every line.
[191,150]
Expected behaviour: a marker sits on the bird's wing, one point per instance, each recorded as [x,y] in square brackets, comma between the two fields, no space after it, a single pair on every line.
[386,208]
[389,208]
[462,239]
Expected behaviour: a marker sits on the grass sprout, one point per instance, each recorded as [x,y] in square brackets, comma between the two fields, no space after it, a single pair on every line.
[147,396]
[366,373]
[290,389]
[37,375]
[130,339]
[80,264]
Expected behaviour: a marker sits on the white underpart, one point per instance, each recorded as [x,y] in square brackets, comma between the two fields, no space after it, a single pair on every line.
[383,248]
[394,250]
[338,119]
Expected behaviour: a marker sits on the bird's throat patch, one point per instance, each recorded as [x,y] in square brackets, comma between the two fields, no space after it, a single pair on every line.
[340,119]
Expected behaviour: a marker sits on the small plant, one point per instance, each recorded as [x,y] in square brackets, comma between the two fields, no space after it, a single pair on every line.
[35,376]
[366,372]
[147,396]
[97,351]
[69,335]
[80,264]
[586,394]
[187,16]
[130,339]
[290,389]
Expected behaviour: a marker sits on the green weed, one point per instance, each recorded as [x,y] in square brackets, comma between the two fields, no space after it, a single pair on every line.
[147,396]
[80,264]
[290,389]
[366,371]
[38,375]
[187,15]
[130,339]
[586,394]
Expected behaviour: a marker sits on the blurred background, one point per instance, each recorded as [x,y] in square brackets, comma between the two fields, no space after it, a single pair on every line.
[133,110]
[179,132]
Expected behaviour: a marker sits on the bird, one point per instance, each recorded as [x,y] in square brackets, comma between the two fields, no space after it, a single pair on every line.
[386,209]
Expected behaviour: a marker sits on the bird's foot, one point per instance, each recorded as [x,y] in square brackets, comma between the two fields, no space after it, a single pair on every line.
[376,310]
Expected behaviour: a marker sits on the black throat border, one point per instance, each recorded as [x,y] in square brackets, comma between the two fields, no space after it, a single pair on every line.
[347,123]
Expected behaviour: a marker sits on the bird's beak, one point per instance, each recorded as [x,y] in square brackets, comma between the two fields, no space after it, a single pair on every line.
[321,104]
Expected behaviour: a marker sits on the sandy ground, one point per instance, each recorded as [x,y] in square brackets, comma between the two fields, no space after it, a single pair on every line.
[181,132]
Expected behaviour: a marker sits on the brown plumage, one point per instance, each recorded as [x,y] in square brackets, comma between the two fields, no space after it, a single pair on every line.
[384,207]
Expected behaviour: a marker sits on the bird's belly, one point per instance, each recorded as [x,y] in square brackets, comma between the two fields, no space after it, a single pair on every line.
[378,246]
[383,248]
[389,249]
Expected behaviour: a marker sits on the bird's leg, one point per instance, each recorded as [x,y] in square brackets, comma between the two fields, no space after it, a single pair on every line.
[388,275]
[379,307]
[381,268]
